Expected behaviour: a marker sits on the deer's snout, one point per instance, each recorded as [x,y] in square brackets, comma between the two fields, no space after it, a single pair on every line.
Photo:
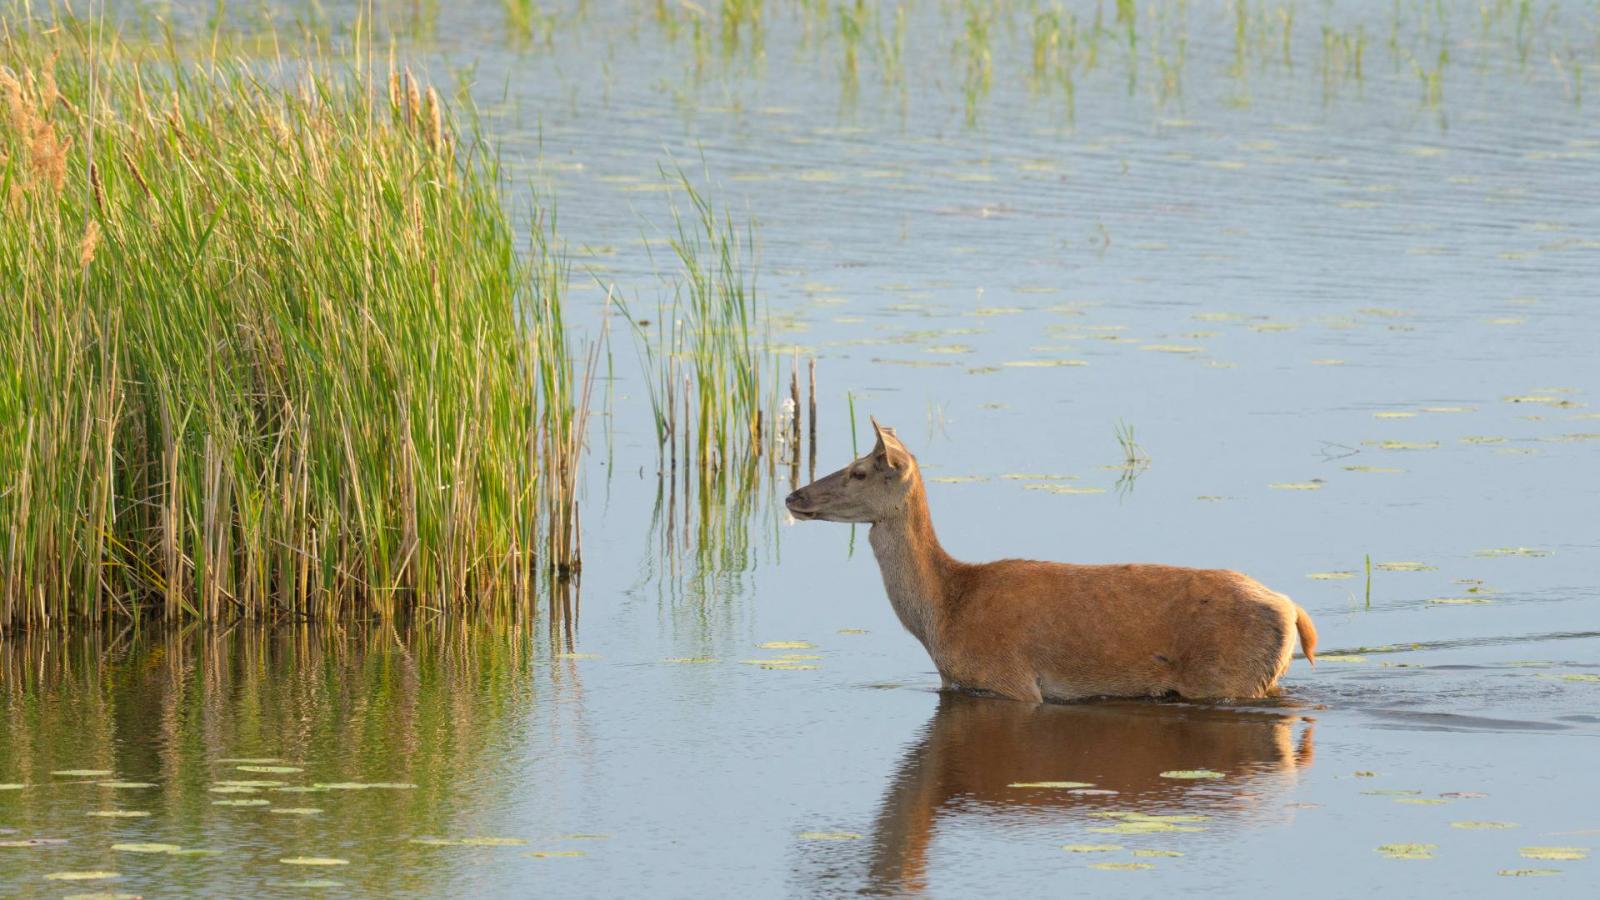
[798,503]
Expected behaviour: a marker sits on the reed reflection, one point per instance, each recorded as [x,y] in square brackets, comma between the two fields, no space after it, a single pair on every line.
[962,771]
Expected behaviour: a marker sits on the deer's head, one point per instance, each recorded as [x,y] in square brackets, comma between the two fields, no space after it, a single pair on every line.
[870,489]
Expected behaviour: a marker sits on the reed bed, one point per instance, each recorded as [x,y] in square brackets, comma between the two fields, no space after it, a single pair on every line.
[270,347]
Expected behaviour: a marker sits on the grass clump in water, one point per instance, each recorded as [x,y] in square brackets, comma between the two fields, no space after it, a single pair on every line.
[269,347]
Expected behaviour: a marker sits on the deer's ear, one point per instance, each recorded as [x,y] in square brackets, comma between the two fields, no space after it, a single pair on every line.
[889,451]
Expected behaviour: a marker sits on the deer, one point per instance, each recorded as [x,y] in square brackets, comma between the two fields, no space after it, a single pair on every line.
[1059,632]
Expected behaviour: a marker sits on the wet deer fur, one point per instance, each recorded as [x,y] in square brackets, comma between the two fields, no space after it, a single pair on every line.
[1036,631]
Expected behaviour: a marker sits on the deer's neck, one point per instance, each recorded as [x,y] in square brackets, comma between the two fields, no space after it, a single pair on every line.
[916,570]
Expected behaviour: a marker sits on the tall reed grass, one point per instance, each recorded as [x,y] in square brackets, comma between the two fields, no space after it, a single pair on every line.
[269,346]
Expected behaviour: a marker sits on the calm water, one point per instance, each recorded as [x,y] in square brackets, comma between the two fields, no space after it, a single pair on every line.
[1343,320]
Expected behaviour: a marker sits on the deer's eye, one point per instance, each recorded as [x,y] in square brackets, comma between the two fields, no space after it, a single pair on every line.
[858,474]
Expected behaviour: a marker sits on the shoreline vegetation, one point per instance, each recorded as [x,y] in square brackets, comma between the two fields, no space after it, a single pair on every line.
[275,349]
[270,348]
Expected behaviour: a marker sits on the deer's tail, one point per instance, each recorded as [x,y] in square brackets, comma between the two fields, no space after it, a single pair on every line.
[1308,633]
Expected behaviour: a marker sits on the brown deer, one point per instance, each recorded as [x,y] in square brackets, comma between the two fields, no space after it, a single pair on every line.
[1039,631]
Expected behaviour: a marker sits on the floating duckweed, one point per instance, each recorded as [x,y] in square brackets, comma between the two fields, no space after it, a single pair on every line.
[249,802]
[1528,873]
[1580,676]
[1091,848]
[81,876]
[1051,784]
[1296,485]
[1403,445]
[295,811]
[119,813]
[1157,853]
[1191,774]
[1394,414]
[853,631]
[125,785]
[1404,566]
[493,842]
[555,854]
[82,773]
[270,770]
[782,665]
[314,861]
[1514,551]
[1477,824]
[1408,851]
[12,787]
[797,656]
[1330,576]
[146,848]
[829,836]
[1567,853]
[1121,866]
[785,645]
[1145,826]
[301,789]
[1172,348]
[1063,489]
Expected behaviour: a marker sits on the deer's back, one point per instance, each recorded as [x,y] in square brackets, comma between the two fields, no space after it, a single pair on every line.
[1120,630]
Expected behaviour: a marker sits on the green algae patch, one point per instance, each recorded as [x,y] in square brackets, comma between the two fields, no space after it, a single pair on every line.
[1407,851]
[1560,853]
[314,861]
[1191,774]
[1405,566]
[1580,676]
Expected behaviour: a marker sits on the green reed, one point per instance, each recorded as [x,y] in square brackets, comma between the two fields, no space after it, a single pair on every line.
[271,348]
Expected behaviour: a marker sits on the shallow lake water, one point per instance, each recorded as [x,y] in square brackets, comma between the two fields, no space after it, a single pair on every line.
[1349,322]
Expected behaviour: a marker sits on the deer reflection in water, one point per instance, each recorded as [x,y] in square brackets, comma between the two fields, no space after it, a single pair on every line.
[974,749]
